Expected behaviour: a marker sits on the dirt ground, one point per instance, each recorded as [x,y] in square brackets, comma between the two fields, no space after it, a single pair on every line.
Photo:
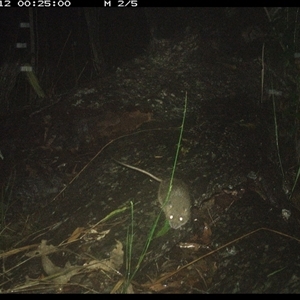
[74,220]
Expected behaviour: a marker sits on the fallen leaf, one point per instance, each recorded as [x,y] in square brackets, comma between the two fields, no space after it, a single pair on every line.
[114,263]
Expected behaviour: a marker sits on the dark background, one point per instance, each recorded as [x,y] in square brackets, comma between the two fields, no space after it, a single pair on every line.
[62,56]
